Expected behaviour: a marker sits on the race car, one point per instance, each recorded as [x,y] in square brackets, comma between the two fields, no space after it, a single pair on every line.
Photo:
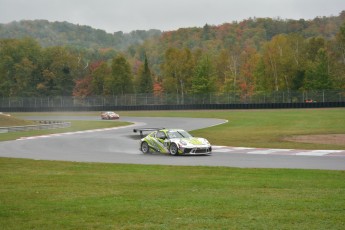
[109,115]
[174,142]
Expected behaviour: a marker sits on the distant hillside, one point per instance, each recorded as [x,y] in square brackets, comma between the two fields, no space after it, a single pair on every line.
[236,36]
[68,34]
[256,54]
[252,30]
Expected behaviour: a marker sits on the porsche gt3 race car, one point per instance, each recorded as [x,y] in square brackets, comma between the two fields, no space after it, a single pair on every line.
[174,142]
[109,115]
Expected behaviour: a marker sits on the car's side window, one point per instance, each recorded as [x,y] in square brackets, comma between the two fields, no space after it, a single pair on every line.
[160,135]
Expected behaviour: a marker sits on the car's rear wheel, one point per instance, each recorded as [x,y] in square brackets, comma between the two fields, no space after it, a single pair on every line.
[173,149]
[145,147]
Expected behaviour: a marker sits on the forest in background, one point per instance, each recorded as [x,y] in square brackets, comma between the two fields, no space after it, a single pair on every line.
[41,58]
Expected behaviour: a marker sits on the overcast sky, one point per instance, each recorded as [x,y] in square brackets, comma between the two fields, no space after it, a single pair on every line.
[165,15]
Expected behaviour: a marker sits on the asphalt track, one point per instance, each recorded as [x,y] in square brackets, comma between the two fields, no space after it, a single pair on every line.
[121,145]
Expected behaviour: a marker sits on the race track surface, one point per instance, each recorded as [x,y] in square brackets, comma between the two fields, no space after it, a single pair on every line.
[121,145]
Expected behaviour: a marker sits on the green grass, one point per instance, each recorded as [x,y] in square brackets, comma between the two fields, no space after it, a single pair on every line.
[66,195]
[70,195]
[264,128]
[253,128]
[6,121]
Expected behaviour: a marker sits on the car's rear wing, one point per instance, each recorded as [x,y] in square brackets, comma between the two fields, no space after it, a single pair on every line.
[145,130]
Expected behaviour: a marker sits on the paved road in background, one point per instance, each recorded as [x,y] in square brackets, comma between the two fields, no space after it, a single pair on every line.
[121,145]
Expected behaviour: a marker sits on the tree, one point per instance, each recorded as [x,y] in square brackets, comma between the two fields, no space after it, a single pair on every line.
[318,76]
[99,72]
[249,60]
[19,67]
[338,53]
[83,87]
[145,79]
[178,69]
[228,68]
[120,81]
[283,60]
[60,71]
[341,41]
[203,80]
[23,78]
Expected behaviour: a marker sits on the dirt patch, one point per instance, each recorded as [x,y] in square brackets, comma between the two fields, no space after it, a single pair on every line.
[335,139]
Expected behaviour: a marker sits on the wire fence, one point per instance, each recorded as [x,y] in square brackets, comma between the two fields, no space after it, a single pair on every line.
[175,99]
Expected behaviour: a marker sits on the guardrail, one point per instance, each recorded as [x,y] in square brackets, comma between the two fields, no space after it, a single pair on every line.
[44,125]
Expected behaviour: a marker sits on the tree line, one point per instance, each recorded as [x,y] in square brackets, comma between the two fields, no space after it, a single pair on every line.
[188,61]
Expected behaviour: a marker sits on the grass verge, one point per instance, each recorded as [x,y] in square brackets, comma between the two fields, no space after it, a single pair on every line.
[66,195]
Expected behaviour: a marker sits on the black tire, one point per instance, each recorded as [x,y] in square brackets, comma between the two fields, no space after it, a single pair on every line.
[145,148]
[173,149]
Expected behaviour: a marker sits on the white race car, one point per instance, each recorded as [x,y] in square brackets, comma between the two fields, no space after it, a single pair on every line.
[174,142]
[109,115]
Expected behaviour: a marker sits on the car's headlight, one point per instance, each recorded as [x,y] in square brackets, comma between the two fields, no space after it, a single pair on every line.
[206,142]
[183,142]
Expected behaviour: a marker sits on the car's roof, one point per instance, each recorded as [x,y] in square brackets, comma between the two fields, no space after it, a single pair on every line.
[170,130]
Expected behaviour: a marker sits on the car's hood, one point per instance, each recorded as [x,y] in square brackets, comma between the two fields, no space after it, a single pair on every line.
[192,140]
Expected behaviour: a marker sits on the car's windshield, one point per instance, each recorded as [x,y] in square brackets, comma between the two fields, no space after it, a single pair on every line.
[178,134]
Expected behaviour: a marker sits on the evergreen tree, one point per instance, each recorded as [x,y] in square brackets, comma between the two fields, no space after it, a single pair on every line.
[318,75]
[145,81]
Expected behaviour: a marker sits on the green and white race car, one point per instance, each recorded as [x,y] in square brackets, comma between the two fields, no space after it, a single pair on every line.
[174,142]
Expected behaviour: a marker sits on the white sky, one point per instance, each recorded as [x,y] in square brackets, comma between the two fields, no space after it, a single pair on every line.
[165,15]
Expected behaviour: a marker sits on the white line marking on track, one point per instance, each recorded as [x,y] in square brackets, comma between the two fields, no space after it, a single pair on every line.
[224,150]
[78,132]
[269,151]
[317,152]
[290,152]
[242,148]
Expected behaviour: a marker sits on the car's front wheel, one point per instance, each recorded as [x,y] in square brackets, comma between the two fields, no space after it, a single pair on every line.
[173,149]
[145,147]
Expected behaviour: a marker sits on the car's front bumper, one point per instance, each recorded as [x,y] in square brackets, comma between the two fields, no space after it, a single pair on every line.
[196,150]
